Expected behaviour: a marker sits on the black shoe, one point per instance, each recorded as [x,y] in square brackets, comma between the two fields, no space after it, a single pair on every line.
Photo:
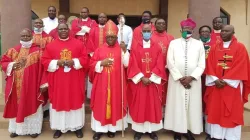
[79,133]
[137,136]
[13,135]
[46,114]
[177,136]
[97,136]
[189,136]
[34,135]
[153,136]
[57,134]
[208,137]
[111,134]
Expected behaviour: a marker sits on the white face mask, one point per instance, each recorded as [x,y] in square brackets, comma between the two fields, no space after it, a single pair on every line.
[38,30]
[26,44]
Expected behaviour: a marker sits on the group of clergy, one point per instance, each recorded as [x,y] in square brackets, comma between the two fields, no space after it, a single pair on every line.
[143,77]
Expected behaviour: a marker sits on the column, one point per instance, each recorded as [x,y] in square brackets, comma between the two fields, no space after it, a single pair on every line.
[15,16]
[203,12]
[163,10]
[64,7]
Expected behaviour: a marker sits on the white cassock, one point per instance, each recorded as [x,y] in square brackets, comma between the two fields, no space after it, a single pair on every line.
[146,127]
[215,130]
[127,35]
[49,24]
[66,120]
[32,124]
[184,106]
[95,124]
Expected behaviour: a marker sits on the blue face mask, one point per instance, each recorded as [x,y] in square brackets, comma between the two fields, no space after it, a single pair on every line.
[146,36]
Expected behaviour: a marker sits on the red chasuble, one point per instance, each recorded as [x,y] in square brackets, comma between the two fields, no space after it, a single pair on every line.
[106,96]
[54,33]
[66,89]
[225,106]
[96,39]
[76,27]
[22,94]
[137,34]
[163,40]
[145,102]
[215,37]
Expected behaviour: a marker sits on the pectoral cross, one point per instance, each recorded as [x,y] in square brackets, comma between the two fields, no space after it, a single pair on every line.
[223,63]
[147,60]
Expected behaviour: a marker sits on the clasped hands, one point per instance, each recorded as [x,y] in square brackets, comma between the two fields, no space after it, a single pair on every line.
[107,62]
[185,81]
[220,83]
[20,64]
[68,63]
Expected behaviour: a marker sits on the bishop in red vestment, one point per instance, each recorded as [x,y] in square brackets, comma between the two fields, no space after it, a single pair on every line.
[162,40]
[23,99]
[137,35]
[65,60]
[107,68]
[146,73]
[228,86]
[81,26]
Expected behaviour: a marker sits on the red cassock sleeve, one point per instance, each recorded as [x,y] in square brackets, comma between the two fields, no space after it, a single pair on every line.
[74,27]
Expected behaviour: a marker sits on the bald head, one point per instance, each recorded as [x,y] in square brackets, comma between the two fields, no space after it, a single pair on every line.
[227,32]
[102,18]
[146,27]
[26,35]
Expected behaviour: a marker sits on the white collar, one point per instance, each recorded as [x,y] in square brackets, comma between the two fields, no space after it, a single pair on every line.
[38,32]
[86,19]
[64,39]
[146,45]
[226,44]
[217,31]
[101,26]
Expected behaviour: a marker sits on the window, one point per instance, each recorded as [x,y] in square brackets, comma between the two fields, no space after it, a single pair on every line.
[33,15]
[225,16]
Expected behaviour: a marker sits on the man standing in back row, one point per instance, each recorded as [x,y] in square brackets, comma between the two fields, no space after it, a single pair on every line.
[51,21]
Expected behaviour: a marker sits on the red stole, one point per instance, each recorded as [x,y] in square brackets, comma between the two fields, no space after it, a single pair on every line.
[22,96]
[66,90]
[77,23]
[106,96]
[145,102]
[162,41]
[41,39]
[225,106]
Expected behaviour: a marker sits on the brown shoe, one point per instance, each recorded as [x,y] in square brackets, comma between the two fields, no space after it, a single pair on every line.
[34,135]
[57,134]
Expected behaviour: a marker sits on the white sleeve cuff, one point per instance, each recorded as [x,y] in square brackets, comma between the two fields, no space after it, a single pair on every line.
[77,64]
[91,54]
[9,68]
[137,78]
[98,67]
[154,78]
[44,85]
[210,80]
[232,83]
[53,66]
[125,57]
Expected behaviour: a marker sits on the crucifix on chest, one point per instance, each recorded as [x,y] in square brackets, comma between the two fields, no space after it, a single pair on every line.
[223,63]
[147,60]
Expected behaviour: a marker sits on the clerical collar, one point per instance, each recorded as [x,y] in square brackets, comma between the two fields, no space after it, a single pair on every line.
[38,32]
[217,31]
[64,39]
[86,19]
[146,44]
[187,39]
[101,26]
[226,44]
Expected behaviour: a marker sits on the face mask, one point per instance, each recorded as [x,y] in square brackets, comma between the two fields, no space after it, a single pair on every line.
[186,34]
[26,44]
[38,30]
[146,36]
[204,39]
[145,20]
